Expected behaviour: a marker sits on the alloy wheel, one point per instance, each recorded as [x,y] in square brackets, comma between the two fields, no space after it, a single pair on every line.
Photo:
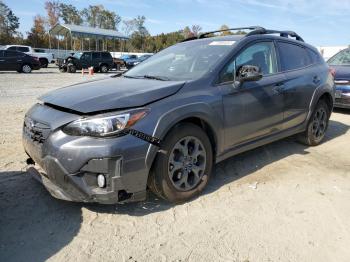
[187,163]
[26,69]
[319,123]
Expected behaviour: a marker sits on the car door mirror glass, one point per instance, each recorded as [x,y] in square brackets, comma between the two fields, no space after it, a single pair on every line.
[248,73]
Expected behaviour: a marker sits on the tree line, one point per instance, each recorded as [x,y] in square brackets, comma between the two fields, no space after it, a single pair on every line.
[94,16]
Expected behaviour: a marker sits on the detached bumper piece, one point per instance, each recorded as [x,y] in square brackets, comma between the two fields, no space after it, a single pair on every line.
[83,186]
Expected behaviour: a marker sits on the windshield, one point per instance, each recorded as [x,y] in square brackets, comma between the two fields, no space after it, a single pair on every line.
[124,57]
[77,55]
[185,61]
[342,58]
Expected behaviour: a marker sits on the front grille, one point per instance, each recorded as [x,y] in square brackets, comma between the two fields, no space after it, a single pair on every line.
[36,131]
[342,100]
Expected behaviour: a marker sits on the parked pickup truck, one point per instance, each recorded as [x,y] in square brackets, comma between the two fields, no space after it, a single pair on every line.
[44,58]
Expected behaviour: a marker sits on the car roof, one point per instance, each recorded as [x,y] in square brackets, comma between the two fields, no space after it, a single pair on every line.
[257,36]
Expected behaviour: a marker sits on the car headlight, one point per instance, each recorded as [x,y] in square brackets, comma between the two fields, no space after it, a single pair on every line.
[104,125]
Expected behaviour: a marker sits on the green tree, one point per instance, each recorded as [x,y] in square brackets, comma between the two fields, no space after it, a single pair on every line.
[70,14]
[98,16]
[9,23]
[225,27]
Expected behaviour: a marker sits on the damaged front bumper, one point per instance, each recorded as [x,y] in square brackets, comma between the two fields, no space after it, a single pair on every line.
[68,166]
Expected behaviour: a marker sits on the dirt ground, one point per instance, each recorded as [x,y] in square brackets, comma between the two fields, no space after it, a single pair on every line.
[280,202]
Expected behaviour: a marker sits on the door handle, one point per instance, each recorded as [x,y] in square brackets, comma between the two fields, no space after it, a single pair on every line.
[316,80]
[2,60]
[278,88]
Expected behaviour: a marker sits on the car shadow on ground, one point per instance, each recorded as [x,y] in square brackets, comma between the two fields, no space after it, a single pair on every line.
[34,226]
[32,73]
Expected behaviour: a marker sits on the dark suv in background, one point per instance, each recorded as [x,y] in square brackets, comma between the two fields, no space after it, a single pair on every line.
[164,123]
[100,61]
[18,61]
[340,62]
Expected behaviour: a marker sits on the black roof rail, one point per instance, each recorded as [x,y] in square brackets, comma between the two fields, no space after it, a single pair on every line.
[203,35]
[232,29]
[263,31]
[255,30]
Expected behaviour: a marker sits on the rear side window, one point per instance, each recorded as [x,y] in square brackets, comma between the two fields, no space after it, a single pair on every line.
[12,48]
[95,55]
[106,55]
[292,56]
[314,57]
[23,49]
[11,53]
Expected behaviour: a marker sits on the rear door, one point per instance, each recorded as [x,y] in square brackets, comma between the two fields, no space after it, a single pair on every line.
[12,60]
[255,109]
[302,77]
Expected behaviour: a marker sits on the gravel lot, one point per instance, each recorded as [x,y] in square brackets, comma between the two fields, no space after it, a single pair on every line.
[281,202]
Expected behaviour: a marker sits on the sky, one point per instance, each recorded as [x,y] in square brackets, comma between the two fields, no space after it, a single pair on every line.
[319,22]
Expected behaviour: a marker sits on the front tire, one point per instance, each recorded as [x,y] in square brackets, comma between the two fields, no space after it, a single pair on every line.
[71,68]
[317,126]
[183,166]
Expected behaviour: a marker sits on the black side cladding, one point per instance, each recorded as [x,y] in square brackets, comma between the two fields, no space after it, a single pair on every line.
[148,138]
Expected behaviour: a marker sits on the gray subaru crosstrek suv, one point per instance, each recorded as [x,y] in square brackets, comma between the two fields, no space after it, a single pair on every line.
[163,124]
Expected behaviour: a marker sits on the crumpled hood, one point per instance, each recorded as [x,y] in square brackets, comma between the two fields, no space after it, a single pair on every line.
[111,93]
[342,72]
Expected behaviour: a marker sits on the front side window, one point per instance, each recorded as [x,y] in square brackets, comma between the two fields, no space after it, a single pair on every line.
[342,58]
[86,56]
[96,55]
[293,56]
[106,55]
[261,54]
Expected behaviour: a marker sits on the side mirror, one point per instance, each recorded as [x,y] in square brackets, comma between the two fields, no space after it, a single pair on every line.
[248,73]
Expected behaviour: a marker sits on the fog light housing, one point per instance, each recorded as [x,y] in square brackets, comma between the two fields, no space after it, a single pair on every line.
[101,181]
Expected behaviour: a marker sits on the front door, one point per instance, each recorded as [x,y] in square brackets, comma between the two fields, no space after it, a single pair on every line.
[254,109]
[85,60]
[2,60]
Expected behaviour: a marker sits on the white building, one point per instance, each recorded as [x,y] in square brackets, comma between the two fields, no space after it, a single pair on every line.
[329,51]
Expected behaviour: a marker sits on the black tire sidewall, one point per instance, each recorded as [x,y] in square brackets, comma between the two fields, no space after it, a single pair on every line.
[310,137]
[163,184]
[71,69]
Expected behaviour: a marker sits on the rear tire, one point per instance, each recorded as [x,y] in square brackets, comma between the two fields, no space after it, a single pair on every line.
[183,168]
[104,69]
[26,69]
[317,125]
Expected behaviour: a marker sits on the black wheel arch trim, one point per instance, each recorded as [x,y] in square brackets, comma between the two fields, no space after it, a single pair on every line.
[171,118]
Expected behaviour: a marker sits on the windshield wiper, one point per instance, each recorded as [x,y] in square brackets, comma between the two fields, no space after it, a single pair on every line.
[161,78]
[135,77]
